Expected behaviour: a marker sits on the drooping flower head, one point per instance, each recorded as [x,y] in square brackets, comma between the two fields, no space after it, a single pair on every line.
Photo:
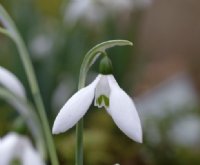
[105,92]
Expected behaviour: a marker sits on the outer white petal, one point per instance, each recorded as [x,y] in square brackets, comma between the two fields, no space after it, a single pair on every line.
[75,108]
[123,111]
[11,82]
[14,146]
[30,156]
[8,148]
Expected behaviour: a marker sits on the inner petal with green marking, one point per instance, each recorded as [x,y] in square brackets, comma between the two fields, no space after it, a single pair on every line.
[102,93]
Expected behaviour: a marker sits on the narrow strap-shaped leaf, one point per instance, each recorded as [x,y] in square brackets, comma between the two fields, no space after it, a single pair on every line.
[14,34]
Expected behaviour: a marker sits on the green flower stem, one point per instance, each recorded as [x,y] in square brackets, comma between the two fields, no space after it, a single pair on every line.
[79,142]
[88,60]
[24,55]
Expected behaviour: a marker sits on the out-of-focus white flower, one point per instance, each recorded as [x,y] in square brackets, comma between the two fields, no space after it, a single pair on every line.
[95,11]
[178,134]
[16,147]
[11,82]
[41,45]
[170,96]
[89,10]
[107,94]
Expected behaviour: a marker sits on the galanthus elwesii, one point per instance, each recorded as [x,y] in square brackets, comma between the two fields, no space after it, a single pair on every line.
[107,94]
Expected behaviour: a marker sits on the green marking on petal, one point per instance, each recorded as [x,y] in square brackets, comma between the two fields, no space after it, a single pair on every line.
[106,101]
[99,100]
[15,162]
[102,99]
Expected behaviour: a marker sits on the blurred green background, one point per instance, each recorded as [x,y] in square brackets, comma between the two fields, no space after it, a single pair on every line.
[160,71]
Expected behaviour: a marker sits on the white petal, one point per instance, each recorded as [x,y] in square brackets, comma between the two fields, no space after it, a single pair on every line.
[14,146]
[75,108]
[123,112]
[11,82]
[30,156]
[102,89]
[8,148]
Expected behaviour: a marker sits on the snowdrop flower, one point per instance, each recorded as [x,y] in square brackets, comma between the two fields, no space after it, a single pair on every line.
[11,82]
[41,45]
[106,93]
[16,147]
